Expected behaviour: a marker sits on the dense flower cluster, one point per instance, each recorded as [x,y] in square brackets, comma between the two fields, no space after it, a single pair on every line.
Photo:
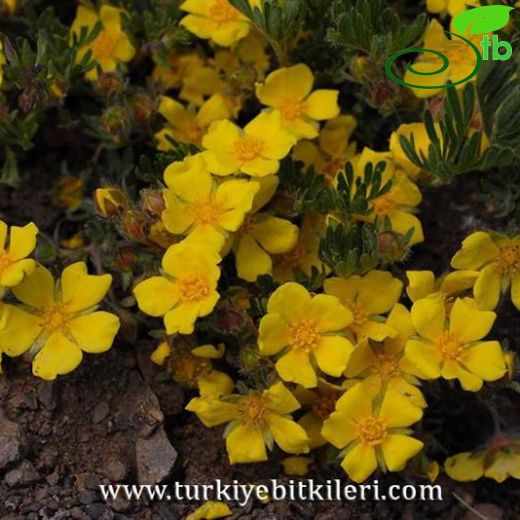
[225,254]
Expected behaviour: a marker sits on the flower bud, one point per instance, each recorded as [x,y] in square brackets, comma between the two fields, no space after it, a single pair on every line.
[70,192]
[125,258]
[152,201]
[142,107]
[110,201]
[114,121]
[133,225]
[110,83]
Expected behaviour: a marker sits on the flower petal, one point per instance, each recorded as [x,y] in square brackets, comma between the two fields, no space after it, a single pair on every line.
[295,366]
[398,449]
[428,317]
[487,287]
[245,444]
[281,399]
[424,357]
[360,462]
[58,356]
[332,354]
[477,250]
[37,289]
[19,332]
[95,332]
[322,104]
[81,290]
[146,294]
[468,322]
[274,334]
[379,291]
[339,429]
[289,435]
[486,360]
[22,241]
[398,411]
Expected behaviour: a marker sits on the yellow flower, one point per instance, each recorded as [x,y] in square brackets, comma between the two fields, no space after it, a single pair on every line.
[298,466]
[398,203]
[59,321]
[454,351]
[254,420]
[288,92]
[215,20]
[497,258]
[210,510]
[452,7]
[499,461]
[462,61]
[186,290]
[423,283]
[384,365]
[186,125]
[368,297]
[14,264]
[304,256]
[171,70]
[111,46]
[262,235]
[334,148]
[372,430]
[305,330]
[198,206]
[421,140]
[255,151]
[321,401]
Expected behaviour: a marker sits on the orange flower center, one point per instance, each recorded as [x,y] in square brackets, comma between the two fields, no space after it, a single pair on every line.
[54,317]
[360,315]
[208,211]
[387,366]
[371,431]
[450,346]
[248,148]
[193,287]
[252,409]
[5,261]
[194,132]
[383,205]
[291,108]
[293,257]
[222,12]
[304,335]
[324,406]
[509,259]
[186,368]
[104,45]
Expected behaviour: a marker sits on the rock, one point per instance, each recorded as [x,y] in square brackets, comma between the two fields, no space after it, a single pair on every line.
[88,497]
[23,475]
[155,457]
[100,412]
[96,511]
[114,469]
[47,395]
[13,445]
